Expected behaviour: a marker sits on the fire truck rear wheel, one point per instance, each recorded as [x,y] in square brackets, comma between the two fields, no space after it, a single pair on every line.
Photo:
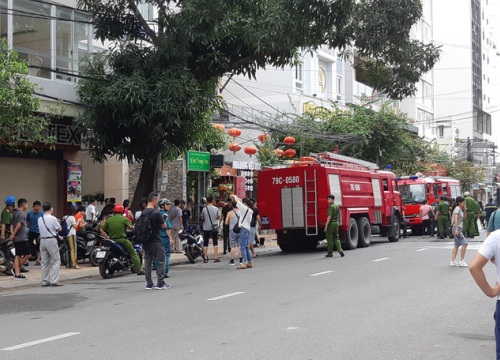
[351,235]
[365,232]
[397,227]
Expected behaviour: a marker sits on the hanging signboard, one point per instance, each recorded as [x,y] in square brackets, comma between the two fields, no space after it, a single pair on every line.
[198,161]
[74,181]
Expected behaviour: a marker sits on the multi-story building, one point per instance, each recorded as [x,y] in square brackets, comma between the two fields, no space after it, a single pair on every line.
[53,37]
[420,107]
[464,96]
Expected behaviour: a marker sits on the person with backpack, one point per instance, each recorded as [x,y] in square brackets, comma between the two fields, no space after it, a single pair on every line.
[68,226]
[148,228]
[116,226]
[232,218]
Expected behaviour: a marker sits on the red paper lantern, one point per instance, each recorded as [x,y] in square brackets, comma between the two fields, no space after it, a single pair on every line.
[250,150]
[279,152]
[234,132]
[290,153]
[289,140]
[234,147]
[219,127]
[263,137]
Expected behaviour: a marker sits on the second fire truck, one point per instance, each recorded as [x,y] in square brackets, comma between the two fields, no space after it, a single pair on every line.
[415,189]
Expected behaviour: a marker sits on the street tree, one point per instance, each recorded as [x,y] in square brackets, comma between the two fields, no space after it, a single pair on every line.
[20,125]
[155,91]
[377,135]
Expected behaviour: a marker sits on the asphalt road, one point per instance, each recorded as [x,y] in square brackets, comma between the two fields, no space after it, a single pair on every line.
[389,301]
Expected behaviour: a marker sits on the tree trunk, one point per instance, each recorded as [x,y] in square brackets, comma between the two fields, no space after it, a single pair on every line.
[146,182]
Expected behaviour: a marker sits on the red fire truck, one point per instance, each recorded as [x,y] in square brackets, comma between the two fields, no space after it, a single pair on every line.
[292,200]
[415,189]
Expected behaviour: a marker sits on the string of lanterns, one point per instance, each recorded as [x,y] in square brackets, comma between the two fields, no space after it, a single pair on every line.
[252,150]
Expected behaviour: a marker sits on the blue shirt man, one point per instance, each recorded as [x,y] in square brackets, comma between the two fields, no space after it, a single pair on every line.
[34,231]
[165,234]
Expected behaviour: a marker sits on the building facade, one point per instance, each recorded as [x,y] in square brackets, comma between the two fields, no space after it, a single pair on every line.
[53,37]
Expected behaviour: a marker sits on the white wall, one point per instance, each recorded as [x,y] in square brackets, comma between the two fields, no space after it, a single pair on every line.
[453,73]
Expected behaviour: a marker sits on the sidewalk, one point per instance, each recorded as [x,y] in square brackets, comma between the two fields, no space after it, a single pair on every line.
[34,276]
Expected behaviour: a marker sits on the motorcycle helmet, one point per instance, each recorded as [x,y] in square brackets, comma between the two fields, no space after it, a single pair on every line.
[10,200]
[163,201]
[118,208]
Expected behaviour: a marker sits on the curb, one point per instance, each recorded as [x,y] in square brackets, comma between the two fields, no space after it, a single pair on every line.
[89,271]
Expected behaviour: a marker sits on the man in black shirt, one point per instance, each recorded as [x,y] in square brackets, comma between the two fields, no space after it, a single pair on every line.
[154,249]
[186,214]
[225,228]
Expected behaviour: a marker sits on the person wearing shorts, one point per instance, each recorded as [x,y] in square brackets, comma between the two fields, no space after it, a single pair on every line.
[457,219]
[232,219]
[210,216]
[20,237]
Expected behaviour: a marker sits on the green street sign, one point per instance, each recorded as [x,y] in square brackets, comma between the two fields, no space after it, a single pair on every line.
[198,161]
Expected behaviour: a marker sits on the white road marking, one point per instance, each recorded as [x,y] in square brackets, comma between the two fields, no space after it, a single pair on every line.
[292,328]
[382,259]
[422,249]
[41,341]
[226,296]
[322,273]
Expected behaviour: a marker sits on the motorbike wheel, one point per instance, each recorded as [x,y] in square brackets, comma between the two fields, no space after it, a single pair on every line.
[189,254]
[63,255]
[104,267]
[92,257]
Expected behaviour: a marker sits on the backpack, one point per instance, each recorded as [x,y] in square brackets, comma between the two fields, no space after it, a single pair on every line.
[430,213]
[64,227]
[143,230]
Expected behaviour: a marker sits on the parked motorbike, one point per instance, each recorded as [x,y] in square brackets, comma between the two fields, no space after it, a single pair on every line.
[7,256]
[94,243]
[113,258]
[192,243]
[87,245]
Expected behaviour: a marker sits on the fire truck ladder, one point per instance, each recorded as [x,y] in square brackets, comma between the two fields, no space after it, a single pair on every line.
[311,208]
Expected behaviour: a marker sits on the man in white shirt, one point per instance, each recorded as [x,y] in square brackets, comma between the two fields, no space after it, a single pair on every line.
[244,224]
[90,212]
[49,248]
[489,250]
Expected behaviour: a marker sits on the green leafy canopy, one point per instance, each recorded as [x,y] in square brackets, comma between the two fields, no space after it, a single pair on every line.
[20,126]
[155,90]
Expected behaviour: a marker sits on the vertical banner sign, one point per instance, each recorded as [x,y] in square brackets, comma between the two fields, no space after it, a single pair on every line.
[239,187]
[74,181]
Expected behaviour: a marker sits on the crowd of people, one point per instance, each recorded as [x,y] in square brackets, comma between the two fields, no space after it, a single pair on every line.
[459,220]
[37,234]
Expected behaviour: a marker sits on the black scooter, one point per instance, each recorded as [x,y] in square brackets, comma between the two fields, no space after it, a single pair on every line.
[87,245]
[7,256]
[192,243]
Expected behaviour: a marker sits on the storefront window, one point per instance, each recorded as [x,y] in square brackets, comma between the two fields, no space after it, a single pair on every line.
[64,44]
[31,36]
[81,38]
[71,42]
